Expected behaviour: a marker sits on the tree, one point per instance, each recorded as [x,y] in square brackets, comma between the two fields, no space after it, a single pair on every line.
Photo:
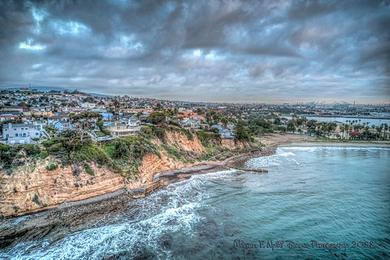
[72,140]
[224,121]
[242,132]
[157,118]
[290,126]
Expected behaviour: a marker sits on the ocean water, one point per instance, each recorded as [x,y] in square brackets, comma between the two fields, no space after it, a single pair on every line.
[315,202]
[360,120]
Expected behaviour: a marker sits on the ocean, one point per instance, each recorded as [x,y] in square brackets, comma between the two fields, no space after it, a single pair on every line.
[315,202]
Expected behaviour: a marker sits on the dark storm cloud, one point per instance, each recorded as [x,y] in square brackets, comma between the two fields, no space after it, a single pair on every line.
[201,50]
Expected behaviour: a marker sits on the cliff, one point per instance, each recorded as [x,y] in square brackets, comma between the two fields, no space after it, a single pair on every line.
[32,187]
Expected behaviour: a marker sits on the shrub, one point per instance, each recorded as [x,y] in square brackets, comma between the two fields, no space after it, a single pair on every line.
[153,131]
[51,166]
[36,200]
[7,155]
[127,153]
[147,131]
[174,152]
[121,149]
[90,153]
[184,131]
[31,149]
[44,154]
[208,138]
[88,169]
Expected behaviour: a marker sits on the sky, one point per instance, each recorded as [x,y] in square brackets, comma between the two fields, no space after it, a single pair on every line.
[226,51]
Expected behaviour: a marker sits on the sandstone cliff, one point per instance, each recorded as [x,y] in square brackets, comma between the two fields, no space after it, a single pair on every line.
[33,188]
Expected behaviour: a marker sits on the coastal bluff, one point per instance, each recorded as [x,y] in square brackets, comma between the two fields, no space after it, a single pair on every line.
[32,187]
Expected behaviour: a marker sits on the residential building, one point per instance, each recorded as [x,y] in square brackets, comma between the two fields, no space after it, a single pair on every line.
[22,133]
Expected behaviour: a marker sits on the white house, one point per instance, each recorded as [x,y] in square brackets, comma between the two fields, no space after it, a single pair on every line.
[133,122]
[22,133]
[125,128]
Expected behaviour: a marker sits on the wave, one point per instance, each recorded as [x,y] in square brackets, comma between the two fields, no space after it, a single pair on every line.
[274,160]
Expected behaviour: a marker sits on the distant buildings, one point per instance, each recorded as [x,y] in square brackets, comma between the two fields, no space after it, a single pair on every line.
[104,117]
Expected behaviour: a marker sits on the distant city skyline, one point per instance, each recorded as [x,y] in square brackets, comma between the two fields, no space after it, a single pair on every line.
[212,51]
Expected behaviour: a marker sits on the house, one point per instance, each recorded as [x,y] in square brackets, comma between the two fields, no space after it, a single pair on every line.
[191,123]
[22,133]
[123,130]
[61,126]
[60,122]
[224,132]
[133,122]
[8,116]
[106,116]
[125,127]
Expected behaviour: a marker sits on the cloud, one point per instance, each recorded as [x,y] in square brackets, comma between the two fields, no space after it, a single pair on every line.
[222,50]
[30,45]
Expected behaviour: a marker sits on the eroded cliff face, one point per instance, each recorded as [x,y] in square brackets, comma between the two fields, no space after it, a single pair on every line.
[182,141]
[28,189]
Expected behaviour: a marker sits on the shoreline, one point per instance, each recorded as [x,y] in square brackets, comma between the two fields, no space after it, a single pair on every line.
[338,144]
[75,214]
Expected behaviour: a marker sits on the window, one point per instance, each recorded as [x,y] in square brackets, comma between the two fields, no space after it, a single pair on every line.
[16,135]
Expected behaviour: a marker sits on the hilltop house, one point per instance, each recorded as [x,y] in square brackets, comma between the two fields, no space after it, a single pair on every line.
[191,123]
[60,122]
[22,133]
[126,127]
[224,132]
